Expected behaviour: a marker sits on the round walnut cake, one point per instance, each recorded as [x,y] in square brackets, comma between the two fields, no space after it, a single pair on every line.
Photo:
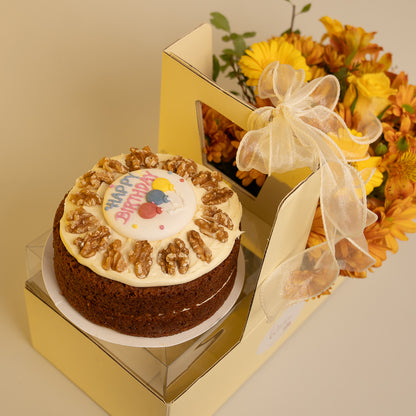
[147,244]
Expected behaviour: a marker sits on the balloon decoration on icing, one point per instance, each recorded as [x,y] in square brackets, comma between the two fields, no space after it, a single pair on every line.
[149,210]
[155,197]
[162,184]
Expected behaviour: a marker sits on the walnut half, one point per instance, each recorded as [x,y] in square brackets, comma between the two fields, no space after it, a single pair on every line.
[182,167]
[141,257]
[112,165]
[92,242]
[93,179]
[141,158]
[198,246]
[207,180]
[217,196]
[175,255]
[80,221]
[87,197]
[214,214]
[212,229]
[113,259]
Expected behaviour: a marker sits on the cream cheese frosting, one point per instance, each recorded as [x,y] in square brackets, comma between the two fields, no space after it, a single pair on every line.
[153,205]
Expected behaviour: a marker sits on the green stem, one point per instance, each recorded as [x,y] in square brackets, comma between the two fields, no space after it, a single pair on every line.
[292,20]
[247,91]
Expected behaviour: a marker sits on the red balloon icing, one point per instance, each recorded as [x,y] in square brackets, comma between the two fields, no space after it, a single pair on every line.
[148,210]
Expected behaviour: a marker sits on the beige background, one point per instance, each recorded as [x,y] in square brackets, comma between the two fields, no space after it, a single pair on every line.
[80,79]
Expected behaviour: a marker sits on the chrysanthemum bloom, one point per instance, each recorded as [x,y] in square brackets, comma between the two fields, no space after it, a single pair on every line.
[399,138]
[394,222]
[333,59]
[311,50]
[219,145]
[261,54]
[375,235]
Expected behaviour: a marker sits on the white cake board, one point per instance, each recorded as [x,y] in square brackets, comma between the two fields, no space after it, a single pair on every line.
[115,337]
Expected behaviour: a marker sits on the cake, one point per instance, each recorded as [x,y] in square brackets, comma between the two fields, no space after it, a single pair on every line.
[147,244]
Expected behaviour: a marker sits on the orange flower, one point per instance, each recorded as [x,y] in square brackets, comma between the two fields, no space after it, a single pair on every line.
[401,168]
[311,50]
[247,177]
[219,133]
[398,220]
[399,79]
[375,235]
[404,103]
[353,43]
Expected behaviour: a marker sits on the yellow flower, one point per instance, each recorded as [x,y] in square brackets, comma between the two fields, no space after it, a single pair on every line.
[261,54]
[332,26]
[373,91]
[372,176]
[351,149]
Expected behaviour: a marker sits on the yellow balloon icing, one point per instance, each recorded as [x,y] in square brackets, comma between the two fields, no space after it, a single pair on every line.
[162,184]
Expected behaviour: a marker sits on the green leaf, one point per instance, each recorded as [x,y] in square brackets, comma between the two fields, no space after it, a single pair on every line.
[380,116]
[408,108]
[354,103]
[402,144]
[219,21]
[225,38]
[239,46]
[306,8]
[249,34]
[215,67]
[228,51]
[227,59]
[232,75]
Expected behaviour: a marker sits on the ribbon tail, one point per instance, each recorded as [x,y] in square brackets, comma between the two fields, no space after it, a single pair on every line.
[254,149]
[301,277]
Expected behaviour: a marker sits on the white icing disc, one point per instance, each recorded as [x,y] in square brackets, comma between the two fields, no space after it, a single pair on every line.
[149,204]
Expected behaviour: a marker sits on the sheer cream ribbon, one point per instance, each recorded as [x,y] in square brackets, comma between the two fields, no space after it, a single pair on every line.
[294,134]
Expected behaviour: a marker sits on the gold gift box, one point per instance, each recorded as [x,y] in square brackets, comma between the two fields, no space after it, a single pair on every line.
[199,375]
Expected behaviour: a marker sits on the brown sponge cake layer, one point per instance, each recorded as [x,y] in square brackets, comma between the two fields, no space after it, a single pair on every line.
[141,311]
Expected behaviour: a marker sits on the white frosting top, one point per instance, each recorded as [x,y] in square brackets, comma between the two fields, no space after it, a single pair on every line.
[155,205]
[149,204]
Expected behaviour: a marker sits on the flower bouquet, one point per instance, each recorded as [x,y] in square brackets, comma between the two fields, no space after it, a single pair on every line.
[386,164]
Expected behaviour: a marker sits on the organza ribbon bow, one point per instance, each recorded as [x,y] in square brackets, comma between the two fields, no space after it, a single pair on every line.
[296,133]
